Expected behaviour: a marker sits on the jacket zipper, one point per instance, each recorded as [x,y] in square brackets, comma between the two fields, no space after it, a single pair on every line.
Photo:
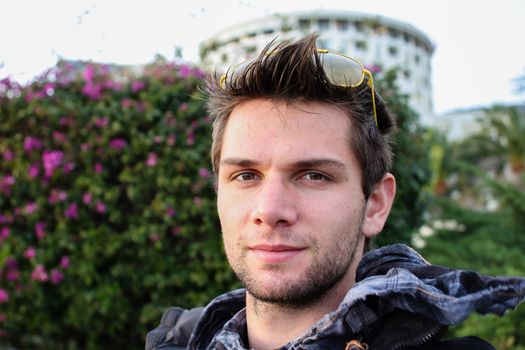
[425,338]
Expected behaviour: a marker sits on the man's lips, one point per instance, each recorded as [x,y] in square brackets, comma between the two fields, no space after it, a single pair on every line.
[275,253]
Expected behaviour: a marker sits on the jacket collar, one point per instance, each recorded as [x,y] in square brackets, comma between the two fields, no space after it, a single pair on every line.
[392,278]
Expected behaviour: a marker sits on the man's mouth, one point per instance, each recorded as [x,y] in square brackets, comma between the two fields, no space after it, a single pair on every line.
[275,253]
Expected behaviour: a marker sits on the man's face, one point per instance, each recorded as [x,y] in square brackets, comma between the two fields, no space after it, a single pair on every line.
[290,200]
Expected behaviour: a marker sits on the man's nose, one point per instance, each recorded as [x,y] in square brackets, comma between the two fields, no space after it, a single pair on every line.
[276,204]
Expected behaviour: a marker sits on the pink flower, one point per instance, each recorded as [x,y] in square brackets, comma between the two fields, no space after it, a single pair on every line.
[59,137]
[62,196]
[190,140]
[171,140]
[66,121]
[31,208]
[136,86]
[3,317]
[205,173]
[7,83]
[49,89]
[68,167]
[13,275]
[92,91]
[57,196]
[126,103]
[71,211]
[39,230]
[117,144]
[101,122]
[100,207]
[86,198]
[89,72]
[197,201]
[84,147]
[9,180]
[154,237]
[99,168]
[64,262]
[33,170]
[8,155]
[185,71]
[56,276]
[39,273]
[170,211]
[4,233]
[31,143]
[30,253]
[113,85]
[176,230]
[152,159]
[11,263]
[374,68]
[158,139]
[4,296]
[51,160]
[183,107]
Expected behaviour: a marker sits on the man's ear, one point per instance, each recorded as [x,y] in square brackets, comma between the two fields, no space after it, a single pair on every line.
[378,206]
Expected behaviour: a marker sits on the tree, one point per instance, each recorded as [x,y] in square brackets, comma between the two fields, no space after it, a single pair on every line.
[411,166]
[488,240]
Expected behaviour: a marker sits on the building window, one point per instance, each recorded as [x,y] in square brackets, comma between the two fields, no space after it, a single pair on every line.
[233,40]
[361,45]
[416,59]
[324,24]
[268,31]
[406,36]
[406,74]
[224,57]
[304,24]
[359,26]
[251,34]
[393,33]
[342,25]
[392,50]
[251,49]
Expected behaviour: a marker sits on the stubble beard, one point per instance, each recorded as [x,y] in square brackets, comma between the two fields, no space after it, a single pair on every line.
[321,277]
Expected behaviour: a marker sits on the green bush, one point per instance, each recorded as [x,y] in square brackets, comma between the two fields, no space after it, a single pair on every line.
[107,211]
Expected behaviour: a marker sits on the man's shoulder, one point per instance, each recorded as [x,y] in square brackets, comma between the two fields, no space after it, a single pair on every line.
[464,343]
[174,330]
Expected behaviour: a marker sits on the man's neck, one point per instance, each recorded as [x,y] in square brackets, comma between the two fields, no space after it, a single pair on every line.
[271,326]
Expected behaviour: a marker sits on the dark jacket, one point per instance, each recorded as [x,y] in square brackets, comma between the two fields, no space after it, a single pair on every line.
[399,301]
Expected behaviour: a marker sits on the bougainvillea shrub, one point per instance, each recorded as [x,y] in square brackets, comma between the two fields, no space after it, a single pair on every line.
[107,212]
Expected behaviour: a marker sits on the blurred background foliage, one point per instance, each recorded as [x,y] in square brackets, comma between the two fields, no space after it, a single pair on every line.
[107,205]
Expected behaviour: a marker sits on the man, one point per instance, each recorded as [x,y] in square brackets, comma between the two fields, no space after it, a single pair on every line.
[301,154]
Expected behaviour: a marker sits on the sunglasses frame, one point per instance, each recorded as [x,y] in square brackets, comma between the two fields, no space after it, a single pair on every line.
[364,73]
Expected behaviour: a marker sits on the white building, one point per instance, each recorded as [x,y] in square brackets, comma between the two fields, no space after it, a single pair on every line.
[374,40]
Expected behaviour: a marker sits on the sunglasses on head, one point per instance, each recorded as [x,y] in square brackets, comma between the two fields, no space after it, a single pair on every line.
[340,70]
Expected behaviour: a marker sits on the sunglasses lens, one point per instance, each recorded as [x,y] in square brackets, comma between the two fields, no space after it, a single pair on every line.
[342,70]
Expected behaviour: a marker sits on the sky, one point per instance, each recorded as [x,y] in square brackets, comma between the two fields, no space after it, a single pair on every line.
[479,43]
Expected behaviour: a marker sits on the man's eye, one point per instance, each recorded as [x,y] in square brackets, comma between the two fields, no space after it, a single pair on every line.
[245,177]
[314,176]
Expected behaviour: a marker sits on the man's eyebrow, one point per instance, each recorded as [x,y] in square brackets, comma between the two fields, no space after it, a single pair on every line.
[240,162]
[319,162]
[301,164]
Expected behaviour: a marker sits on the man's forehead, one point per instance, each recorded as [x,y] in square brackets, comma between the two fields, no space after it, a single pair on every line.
[264,131]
